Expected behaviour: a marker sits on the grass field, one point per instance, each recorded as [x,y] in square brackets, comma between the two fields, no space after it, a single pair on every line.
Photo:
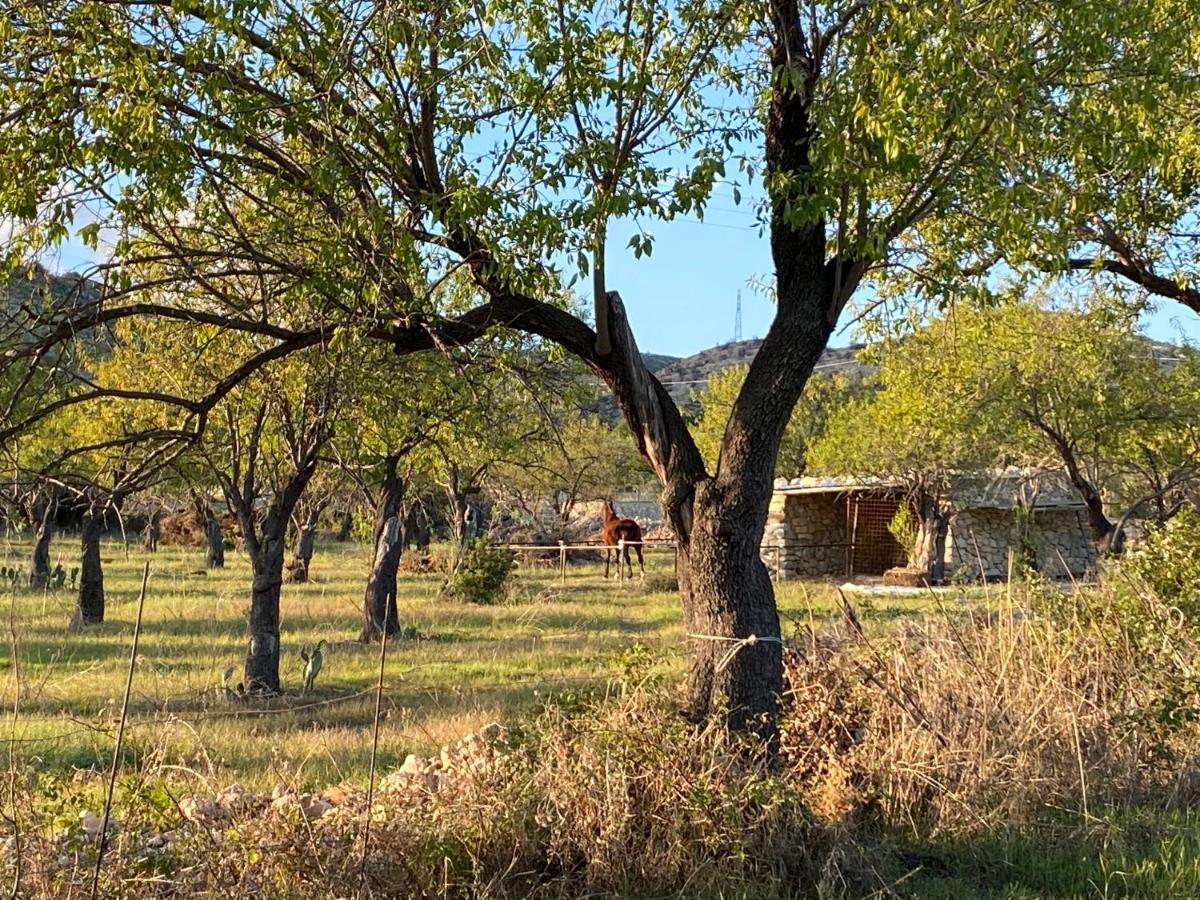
[470,665]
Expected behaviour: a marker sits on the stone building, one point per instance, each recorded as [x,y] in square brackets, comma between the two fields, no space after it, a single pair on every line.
[838,527]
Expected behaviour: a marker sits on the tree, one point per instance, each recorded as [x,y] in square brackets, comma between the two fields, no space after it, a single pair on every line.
[916,429]
[823,396]
[353,154]
[574,456]
[1068,390]
[1080,387]
[267,453]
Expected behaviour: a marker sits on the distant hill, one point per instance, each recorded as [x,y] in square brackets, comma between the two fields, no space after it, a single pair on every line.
[684,377]
[33,290]
[656,362]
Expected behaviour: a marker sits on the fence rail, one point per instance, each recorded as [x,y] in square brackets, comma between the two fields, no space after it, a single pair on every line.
[564,549]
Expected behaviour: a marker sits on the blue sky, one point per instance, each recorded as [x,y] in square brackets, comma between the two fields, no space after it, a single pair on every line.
[683,298]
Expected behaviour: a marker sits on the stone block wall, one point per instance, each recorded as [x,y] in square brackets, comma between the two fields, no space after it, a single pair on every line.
[812,530]
[985,536]
[977,543]
[1061,536]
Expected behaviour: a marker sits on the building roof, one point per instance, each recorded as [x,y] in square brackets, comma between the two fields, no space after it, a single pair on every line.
[1006,489]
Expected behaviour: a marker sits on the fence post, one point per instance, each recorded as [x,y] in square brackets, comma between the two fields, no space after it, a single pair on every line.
[620,565]
[562,560]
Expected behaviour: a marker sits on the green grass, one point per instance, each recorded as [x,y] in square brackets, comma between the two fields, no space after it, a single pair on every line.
[472,664]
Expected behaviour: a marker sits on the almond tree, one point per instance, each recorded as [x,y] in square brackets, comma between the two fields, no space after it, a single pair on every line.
[352,154]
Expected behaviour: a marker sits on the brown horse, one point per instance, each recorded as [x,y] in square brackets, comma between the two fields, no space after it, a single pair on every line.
[616,530]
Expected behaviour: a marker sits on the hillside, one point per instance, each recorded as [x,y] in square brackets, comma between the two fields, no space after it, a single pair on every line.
[684,377]
[28,291]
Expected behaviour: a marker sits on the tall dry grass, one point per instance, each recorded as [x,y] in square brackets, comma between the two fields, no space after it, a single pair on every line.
[1047,711]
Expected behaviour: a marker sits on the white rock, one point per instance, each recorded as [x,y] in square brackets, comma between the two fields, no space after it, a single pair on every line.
[90,822]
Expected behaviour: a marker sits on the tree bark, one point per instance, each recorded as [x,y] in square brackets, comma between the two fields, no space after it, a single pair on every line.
[262,657]
[930,553]
[153,529]
[379,602]
[346,527]
[727,598]
[305,544]
[1099,525]
[91,573]
[214,557]
[736,659]
[416,527]
[39,564]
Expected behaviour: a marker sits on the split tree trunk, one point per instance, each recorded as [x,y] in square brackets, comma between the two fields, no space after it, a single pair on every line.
[736,658]
[91,573]
[379,602]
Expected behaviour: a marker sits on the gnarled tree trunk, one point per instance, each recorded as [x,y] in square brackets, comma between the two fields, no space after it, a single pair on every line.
[91,573]
[262,657]
[379,602]
[306,539]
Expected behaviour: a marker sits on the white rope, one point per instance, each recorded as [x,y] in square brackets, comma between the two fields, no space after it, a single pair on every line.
[738,644]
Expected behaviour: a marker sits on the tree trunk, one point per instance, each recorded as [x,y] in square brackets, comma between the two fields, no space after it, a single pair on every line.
[345,529]
[929,555]
[153,530]
[262,658]
[379,602]
[91,574]
[416,528]
[214,558]
[736,660]
[305,544]
[39,565]
[1099,526]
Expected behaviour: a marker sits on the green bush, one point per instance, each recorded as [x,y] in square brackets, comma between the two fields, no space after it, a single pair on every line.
[1169,564]
[481,573]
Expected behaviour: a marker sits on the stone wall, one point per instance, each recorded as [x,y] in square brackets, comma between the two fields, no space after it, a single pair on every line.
[812,530]
[985,536]
[1061,536]
[977,541]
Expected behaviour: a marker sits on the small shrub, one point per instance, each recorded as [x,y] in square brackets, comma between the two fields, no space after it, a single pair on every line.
[481,573]
[661,583]
[903,527]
